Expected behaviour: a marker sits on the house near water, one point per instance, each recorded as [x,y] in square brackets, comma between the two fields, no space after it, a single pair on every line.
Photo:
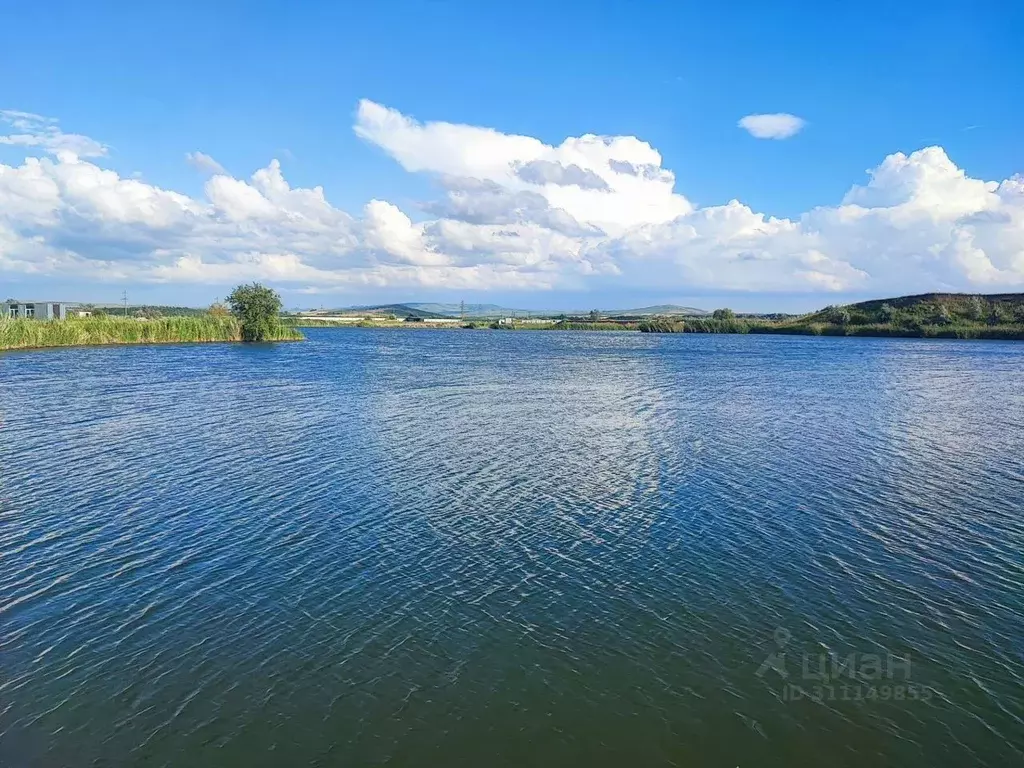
[35,310]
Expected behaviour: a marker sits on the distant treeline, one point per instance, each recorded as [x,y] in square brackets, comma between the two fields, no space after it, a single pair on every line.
[145,310]
[954,316]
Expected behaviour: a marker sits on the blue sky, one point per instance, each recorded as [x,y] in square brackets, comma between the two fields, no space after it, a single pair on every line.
[248,82]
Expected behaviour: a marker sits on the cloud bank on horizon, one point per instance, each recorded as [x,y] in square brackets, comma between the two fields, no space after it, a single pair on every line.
[512,212]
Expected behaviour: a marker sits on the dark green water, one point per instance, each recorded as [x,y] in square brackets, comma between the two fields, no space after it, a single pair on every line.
[483,548]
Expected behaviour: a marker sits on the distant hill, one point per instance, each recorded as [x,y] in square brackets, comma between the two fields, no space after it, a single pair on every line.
[657,309]
[478,310]
[438,309]
[1011,300]
[398,310]
[930,309]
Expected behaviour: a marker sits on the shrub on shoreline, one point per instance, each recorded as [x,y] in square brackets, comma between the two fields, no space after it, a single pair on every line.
[258,310]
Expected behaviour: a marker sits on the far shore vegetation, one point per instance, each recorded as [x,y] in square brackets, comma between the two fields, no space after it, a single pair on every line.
[252,312]
[953,316]
[253,316]
[942,316]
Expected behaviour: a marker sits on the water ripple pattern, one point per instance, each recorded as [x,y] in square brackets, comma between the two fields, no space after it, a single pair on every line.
[481,548]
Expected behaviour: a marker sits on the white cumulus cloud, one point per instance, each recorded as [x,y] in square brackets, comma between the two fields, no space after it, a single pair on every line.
[203,162]
[512,212]
[779,125]
[612,182]
[29,130]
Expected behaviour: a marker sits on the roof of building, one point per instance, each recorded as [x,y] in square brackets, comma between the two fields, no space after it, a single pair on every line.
[40,301]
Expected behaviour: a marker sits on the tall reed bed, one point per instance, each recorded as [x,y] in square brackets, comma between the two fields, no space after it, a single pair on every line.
[24,334]
[569,325]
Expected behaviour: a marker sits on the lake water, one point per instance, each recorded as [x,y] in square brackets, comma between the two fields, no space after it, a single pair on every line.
[537,548]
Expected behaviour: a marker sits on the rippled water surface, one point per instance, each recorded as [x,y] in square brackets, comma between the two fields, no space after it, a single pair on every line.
[537,548]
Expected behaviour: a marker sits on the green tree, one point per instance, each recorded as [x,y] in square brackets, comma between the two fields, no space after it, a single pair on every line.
[976,308]
[258,308]
[887,313]
[723,314]
[837,315]
[943,316]
[998,315]
[218,309]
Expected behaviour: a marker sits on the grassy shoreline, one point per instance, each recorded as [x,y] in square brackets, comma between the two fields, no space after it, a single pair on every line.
[104,331]
[800,327]
[815,327]
[881,330]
